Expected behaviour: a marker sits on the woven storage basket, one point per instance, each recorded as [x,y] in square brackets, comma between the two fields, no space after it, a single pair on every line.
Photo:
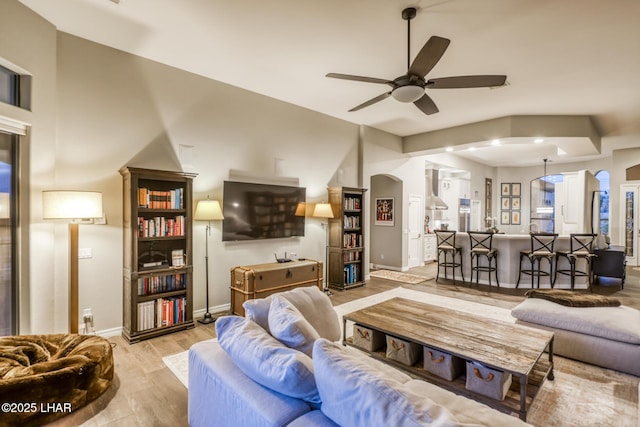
[486,381]
[442,364]
[405,352]
[367,339]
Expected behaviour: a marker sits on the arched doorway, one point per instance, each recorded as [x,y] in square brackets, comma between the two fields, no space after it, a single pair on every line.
[387,248]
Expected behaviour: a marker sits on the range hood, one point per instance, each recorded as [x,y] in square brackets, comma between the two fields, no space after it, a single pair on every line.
[433,202]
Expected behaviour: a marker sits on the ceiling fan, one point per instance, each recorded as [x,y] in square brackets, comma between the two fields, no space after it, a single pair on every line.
[411,86]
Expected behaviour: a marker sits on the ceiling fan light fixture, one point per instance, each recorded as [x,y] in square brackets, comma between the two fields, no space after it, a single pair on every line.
[409,93]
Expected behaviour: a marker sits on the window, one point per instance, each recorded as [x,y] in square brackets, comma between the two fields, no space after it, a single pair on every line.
[15,88]
[604,178]
[542,203]
[8,234]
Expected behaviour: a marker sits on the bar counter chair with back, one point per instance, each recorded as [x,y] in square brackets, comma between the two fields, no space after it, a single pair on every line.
[481,245]
[541,249]
[447,247]
[580,247]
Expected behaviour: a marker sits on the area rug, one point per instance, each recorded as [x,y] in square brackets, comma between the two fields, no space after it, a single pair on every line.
[178,364]
[412,279]
[580,395]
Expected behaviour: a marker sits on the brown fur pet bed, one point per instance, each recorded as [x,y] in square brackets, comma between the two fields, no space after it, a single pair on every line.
[44,377]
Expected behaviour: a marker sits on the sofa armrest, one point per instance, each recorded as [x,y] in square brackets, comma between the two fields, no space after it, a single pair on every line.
[220,393]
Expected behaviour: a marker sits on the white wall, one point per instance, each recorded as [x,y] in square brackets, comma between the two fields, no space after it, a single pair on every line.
[97,109]
[40,268]
[383,156]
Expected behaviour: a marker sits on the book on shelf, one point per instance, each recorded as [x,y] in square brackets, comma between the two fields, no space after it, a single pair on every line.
[152,264]
[351,221]
[150,285]
[146,318]
[177,258]
[161,227]
[352,240]
[161,312]
[352,203]
[352,273]
[157,199]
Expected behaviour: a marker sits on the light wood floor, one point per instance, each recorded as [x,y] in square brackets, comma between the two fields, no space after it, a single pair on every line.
[146,393]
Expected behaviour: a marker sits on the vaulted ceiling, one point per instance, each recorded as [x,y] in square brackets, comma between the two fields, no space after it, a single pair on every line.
[560,57]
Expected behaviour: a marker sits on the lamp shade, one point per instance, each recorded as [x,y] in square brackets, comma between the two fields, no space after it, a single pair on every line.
[322,210]
[301,209]
[208,210]
[71,204]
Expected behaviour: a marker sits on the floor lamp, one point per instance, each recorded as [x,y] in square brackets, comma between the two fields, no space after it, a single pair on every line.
[323,210]
[207,210]
[75,206]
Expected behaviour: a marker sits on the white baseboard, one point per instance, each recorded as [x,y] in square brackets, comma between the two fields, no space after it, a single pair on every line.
[114,332]
[108,333]
[217,309]
[387,267]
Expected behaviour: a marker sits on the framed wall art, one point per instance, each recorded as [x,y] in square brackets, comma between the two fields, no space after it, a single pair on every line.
[515,189]
[505,218]
[515,217]
[505,202]
[510,193]
[384,211]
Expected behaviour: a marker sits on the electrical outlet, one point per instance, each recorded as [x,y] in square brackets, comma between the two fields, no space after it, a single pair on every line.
[87,319]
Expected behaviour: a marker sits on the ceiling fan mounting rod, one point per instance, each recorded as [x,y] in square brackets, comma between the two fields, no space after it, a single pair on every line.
[408,14]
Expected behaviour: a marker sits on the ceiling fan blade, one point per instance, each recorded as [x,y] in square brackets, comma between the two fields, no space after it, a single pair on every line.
[426,105]
[371,101]
[429,56]
[360,79]
[466,82]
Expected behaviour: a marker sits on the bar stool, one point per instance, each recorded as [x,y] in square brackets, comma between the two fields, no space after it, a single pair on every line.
[481,245]
[447,245]
[541,248]
[580,247]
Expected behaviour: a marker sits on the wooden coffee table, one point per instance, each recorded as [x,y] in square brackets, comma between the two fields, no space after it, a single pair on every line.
[507,347]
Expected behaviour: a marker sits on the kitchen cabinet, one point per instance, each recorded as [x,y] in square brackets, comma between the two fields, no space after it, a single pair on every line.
[430,247]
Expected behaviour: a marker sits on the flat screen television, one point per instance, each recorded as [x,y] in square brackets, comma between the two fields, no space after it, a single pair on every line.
[261,211]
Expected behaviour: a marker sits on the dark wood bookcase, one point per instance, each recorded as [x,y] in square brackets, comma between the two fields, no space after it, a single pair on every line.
[346,238]
[158,269]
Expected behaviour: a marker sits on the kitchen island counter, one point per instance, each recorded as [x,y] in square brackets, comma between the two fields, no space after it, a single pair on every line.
[509,247]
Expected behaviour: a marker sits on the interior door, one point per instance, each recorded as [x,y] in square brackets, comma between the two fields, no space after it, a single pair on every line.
[629,221]
[416,222]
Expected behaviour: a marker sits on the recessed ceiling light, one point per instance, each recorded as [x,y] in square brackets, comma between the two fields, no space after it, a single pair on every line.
[472,148]
[448,149]
[496,142]
[538,140]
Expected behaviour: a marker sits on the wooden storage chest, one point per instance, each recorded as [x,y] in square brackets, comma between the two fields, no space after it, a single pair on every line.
[261,280]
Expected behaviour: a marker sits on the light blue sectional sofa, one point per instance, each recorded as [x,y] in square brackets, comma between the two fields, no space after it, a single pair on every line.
[248,377]
[602,336]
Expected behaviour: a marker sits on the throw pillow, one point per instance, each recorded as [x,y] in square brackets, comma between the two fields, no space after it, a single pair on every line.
[290,327]
[258,311]
[313,304]
[316,307]
[356,393]
[265,360]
